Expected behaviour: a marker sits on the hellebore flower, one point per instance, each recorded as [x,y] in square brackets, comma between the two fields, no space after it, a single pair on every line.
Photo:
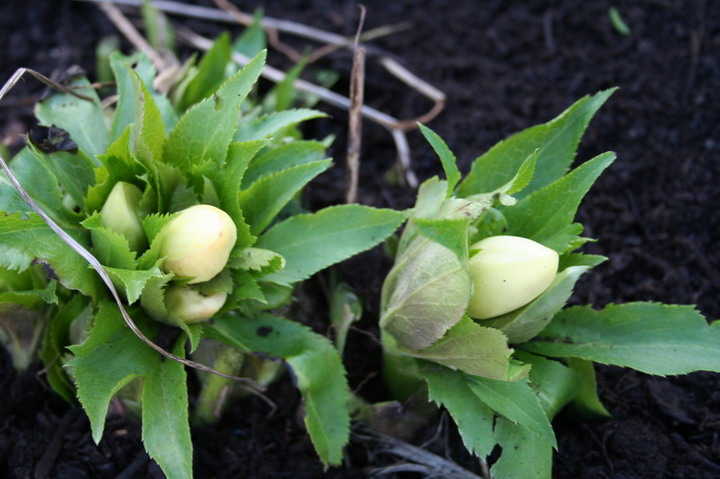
[120,214]
[508,272]
[191,305]
[197,242]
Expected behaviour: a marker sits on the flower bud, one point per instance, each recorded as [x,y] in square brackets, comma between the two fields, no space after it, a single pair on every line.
[508,272]
[120,214]
[197,243]
[192,306]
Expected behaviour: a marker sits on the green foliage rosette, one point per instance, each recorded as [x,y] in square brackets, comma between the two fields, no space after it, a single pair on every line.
[500,245]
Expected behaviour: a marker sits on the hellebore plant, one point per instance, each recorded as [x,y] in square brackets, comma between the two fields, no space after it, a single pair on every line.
[473,311]
[190,204]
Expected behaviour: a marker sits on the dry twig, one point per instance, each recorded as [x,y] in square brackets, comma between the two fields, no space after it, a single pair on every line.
[357,87]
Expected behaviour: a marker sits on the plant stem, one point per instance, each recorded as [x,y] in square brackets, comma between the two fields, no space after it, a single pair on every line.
[216,389]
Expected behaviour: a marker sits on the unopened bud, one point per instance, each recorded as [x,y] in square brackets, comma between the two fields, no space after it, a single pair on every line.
[192,306]
[120,214]
[508,272]
[197,243]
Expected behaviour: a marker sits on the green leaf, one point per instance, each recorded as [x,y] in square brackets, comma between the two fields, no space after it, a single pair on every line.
[74,172]
[315,241]
[295,153]
[165,424]
[205,131]
[109,358]
[473,349]
[149,133]
[345,309]
[474,419]
[524,454]
[42,187]
[316,365]
[228,183]
[556,142]
[109,247]
[253,39]
[451,233]
[578,259]
[586,401]
[267,196]
[650,337]
[517,402]
[546,215]
[555,384]
[118,164]
[268,125]
[282,96]
[24,240]
[210,73]
[525,323]
[83,119]
[447,158]
[259,261]
[57,337]
[131,283]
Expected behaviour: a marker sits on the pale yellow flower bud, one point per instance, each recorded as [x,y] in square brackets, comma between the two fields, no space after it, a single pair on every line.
[120,214]
[192,306]
[197,243]
[507,273]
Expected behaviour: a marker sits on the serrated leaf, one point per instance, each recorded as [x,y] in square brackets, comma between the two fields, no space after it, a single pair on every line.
[228,183]
[546,215]
[451,233]
[205,131]
[556,142]
[210,73]
[284,156]
[580,259]
[525,323]
[266,197]
[109,358]
[517,402]
[109,247]
[524,454]
[261,261]
[447,158]
[83,119]
[315,241]
[246,287]
[165,424]
[345,309]
[24,240]
[75,172]
[555,383]
[42,187]
[270,124]
[316,366]
[148,133]
[473,418]
[425,294]
[131,283]
[473,349]
[650,337]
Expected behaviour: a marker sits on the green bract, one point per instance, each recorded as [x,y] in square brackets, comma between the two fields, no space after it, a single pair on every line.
[191,202]
[500,245]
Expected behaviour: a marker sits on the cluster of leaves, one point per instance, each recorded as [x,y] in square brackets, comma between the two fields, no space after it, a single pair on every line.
[210,141]
[498,394]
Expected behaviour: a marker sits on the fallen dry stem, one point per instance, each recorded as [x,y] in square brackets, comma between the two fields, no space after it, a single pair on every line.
[357,88]
[94,262]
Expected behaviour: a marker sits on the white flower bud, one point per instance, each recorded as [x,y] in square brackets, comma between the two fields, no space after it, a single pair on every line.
[191,306]
[507,273]
[120,214]
[197,243]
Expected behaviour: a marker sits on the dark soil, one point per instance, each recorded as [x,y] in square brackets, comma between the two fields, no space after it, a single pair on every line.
[505,65]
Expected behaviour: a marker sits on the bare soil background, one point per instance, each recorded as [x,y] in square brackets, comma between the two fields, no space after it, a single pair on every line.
[505,65]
